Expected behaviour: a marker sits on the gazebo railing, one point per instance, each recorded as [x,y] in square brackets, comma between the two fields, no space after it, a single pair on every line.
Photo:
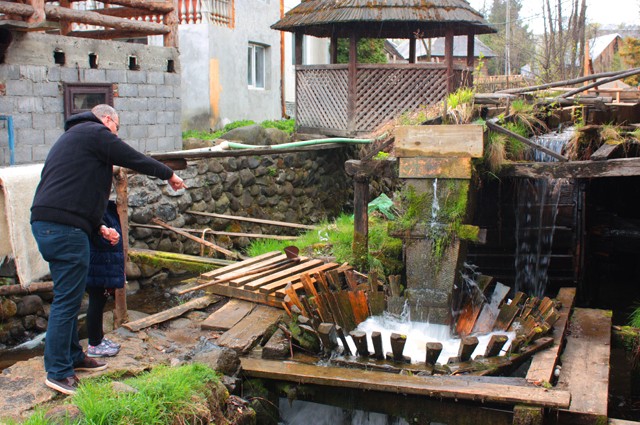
[382,92]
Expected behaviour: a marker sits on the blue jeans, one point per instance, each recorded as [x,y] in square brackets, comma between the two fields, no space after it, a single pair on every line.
[66,249]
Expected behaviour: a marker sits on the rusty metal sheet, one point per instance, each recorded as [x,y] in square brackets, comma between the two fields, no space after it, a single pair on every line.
[449,168]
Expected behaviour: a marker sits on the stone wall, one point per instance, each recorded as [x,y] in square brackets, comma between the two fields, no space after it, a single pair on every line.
[304,187]
[31,91]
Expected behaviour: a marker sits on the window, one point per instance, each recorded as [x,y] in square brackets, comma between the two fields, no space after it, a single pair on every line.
[81,97]
[256,68]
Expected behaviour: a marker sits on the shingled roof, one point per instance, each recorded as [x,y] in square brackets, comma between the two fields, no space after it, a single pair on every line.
[383,18]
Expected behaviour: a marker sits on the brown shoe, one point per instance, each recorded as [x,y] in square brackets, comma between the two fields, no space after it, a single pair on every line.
[89,364]
[67,385]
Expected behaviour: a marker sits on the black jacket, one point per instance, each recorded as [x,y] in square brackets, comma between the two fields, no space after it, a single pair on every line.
[106,269]
[76,179]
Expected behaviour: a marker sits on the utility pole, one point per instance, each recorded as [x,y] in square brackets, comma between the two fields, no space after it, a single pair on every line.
[507,52]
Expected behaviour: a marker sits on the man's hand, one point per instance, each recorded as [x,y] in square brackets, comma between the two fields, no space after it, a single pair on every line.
[176,182]
[110,234]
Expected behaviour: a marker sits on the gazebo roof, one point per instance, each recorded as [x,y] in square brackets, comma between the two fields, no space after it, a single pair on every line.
[383,18]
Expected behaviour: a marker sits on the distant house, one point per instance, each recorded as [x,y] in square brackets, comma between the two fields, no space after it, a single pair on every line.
[602,52]
[231,62]
[432,50]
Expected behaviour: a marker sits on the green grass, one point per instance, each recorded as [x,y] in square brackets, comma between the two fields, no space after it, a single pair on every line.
[634,318]
[287,126]
[336,238]
[164,396]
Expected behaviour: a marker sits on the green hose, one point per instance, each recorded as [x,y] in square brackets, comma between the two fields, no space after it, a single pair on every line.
[234,145]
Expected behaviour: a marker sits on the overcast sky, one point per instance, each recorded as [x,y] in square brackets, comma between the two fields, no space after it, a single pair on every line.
[598,11]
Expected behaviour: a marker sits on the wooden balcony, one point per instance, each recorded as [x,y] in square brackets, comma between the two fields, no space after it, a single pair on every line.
[382,92]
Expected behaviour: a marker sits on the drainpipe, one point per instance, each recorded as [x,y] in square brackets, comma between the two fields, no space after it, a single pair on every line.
[283,104]
[12,147]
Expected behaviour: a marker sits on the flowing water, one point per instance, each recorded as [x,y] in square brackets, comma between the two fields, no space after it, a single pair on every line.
[536,212]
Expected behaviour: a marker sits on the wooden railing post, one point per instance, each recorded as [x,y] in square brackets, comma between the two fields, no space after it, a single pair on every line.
[172,20]
[122,193]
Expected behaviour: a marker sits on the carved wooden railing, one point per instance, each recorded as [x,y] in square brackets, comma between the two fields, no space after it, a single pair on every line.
[382,93]
[217,12]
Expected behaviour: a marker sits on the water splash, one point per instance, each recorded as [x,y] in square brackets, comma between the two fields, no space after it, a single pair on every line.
[435,206]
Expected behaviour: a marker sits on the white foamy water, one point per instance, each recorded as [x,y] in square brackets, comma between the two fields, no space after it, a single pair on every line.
[418,334]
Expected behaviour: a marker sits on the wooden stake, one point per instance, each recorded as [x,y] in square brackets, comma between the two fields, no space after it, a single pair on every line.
[360,339]
[328,336]
[376,339]
[433,352]
[495,345]
[120,314]
[398,342]
[467,345]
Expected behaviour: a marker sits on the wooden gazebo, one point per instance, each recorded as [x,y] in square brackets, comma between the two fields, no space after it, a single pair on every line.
[350,99]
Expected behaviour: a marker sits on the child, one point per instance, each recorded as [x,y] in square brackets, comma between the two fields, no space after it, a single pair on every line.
[106,273]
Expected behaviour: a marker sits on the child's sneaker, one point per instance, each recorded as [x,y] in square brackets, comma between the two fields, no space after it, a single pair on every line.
[110,343]
[101,350]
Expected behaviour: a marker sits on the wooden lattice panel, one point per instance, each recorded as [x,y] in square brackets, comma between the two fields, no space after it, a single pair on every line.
[385,93]
[321,98]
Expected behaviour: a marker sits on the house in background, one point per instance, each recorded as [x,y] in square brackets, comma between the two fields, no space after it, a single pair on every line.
[603,51]
[432,50]
[231,62]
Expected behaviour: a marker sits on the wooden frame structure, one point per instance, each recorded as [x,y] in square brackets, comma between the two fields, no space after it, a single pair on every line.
[129,19]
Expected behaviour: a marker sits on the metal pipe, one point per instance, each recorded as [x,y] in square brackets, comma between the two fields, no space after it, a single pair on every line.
[12,147]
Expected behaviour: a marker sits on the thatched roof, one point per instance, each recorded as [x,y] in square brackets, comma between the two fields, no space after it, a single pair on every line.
[383,18]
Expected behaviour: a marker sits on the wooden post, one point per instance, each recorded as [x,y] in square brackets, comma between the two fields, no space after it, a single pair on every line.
[328,336]
[352,84]
[65,26]
[398,342]
[298,39]
[345,346]
[376,338]
[471,57]
[361,222]
[172,20]
[333,49]
[412,50]
[448,58]
[38,12]
[495,345]
[433,352]
[360,339]
[394,285]
[467,345]
[122,205]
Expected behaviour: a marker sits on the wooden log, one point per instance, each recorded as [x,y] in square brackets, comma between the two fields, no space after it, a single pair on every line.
[467,346]
[624,74]
[163,316]
[623,167]
[495,345]
[32,288]
[253,220]
[360,244]
[345,346]
[398,341]
[172,21]
[433,352]
[608,151]
[216,232]
[328,337]
[376,340]
[499,129]
[360,340]
[160,7]
[175,261]
[560,83]
[201,241]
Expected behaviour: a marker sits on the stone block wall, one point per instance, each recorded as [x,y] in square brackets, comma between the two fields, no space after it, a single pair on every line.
[31,91]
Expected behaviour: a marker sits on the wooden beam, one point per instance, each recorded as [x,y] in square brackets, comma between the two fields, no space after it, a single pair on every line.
[625,167]
[161,7]
[412,50]
[163,316]
[109,34]
[172,20]
[543,364]
[122,206]
[439,387]
[448,58]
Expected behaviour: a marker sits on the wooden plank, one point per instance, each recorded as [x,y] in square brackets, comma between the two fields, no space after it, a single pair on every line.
[227,316]
[421,167]
[288,272]
[439,387]
[624,167]
[439,140]
[279,285]
[243,336]
[508,312]
[490,310]
[269,267]
[585,362]
[544,363]
[163,316]
[607,151]
[256,297]
[239,265]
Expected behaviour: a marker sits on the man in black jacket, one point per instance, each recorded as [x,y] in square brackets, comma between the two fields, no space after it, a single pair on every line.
[67,208]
